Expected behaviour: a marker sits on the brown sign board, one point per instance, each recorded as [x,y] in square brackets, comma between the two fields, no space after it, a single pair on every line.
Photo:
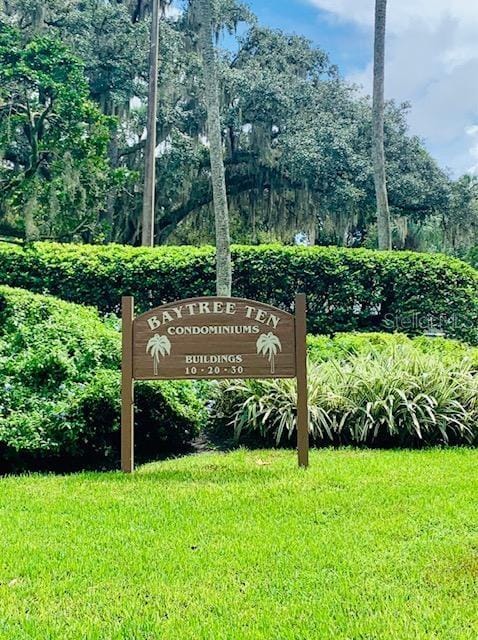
[212,338]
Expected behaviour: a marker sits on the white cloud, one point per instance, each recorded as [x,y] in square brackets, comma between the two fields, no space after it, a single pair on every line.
[173,12]
[432,61]
[402,13]
[473,130]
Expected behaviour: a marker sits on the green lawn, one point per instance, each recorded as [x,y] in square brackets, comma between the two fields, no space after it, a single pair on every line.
[363,545]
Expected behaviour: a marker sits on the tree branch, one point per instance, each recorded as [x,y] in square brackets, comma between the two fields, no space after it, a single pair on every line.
[133,149]
[168,223]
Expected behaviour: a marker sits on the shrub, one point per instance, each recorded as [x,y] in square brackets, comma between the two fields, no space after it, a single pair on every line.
[347,289]
[397,395]
[60,390]
[342,346]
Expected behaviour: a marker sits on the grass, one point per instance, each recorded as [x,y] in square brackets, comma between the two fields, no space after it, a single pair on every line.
[364,545]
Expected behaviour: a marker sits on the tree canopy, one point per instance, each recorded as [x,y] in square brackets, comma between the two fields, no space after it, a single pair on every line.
[54,169]
[297,137]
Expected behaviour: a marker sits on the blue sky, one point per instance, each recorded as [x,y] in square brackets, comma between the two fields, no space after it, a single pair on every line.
[349,45]
[432,61]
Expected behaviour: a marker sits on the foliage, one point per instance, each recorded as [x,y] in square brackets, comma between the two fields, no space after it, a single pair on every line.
[460,219]
[347,289]
[60,390]
[452,229]
[298,146]
[396,395]
[110,37]
[296,136]
[53,141]
[344,346]
[472,256]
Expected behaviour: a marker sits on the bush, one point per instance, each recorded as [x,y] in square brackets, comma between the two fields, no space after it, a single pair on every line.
[347,289]
[345,345]
[399,393]
[60,401]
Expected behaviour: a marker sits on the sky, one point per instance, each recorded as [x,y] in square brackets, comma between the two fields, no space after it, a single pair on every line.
[431,61]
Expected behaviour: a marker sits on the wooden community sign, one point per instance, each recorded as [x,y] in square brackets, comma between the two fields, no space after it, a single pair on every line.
[212,338]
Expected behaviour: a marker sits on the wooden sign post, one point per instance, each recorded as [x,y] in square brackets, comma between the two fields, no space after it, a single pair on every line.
[213,338]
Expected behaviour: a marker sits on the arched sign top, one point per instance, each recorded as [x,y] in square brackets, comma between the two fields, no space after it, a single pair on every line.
[213,337]
[210,300]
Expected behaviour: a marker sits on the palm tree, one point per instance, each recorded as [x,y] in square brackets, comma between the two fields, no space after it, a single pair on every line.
[159,346]
[383,212]
[268,345]
[211,87]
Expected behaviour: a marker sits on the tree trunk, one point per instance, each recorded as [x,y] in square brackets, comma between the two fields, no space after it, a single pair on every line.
[383,212]
[221,213]
[31,206]
[112,193]
[38,19]
[147,236]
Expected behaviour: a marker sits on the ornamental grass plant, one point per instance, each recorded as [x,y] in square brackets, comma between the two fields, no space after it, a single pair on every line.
[398,396]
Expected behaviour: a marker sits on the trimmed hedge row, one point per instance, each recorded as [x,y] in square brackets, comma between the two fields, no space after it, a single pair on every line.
[347,289]
[60,391]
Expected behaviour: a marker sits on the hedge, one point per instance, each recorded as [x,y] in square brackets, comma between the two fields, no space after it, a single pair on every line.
[347,289]
[60,391]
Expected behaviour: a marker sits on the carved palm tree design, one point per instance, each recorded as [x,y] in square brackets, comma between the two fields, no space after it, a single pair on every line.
[268,345]
[159,346]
